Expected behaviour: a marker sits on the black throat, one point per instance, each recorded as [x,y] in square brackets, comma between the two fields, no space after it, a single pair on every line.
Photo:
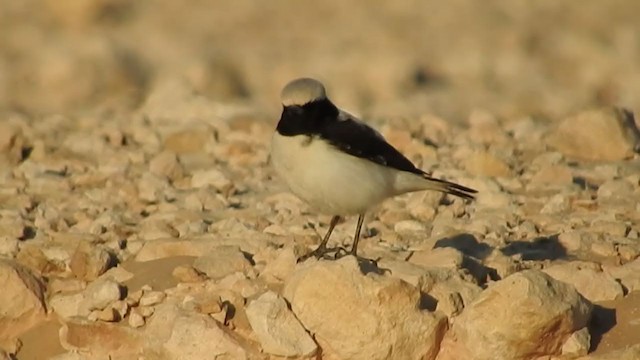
[308,119]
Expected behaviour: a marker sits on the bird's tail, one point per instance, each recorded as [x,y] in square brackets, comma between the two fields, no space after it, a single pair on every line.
[450,188]
[407,182]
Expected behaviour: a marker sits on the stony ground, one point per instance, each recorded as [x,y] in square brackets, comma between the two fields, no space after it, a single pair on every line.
[139,217]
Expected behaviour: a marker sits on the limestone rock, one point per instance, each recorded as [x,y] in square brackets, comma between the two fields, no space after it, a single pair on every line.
[526,315]
[278,330]
[358,316]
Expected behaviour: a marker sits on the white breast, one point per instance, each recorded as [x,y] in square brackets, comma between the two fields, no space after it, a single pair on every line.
[331,181]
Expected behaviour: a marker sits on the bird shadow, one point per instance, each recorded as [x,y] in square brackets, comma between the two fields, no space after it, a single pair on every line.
[466,244]
[540,248]
[603,319]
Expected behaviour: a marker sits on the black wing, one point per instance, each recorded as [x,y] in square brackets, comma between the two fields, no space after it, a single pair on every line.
[357,139]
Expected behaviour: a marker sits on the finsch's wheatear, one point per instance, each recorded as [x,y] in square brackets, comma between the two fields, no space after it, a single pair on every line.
[338,164]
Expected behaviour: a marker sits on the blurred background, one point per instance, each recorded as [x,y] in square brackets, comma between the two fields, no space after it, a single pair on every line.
[544,58]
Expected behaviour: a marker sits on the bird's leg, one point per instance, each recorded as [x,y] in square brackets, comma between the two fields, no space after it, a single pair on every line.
[354,248]
[322,248]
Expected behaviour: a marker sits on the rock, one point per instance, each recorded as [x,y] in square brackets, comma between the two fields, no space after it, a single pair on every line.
[545,311]
[188,274]
[588,279]
[101,339]
[578,343]
[212,177]
[552,175]
[66,305]
[135,319]
[87,263]
[481,163]
[445,257]
[186,335]
[151,298]
[628,274]
[280,268]
[222,261]
[558,203]
[188,140]
[616,191]
[164,248]
[99,294]
[605,134]
[166,164]
[358,316]
[23,302]
[277,329]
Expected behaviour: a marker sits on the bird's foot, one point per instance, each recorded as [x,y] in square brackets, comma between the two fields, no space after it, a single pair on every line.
[363,261]
[322,252]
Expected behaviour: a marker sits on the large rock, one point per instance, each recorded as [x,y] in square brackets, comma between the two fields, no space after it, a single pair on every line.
[604,134]
[356,316]
[526,315]
[278,330]
[22,303]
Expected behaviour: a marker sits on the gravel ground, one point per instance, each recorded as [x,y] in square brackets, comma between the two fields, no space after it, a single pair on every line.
[140,219]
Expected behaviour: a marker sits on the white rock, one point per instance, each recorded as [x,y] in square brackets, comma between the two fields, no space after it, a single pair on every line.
[277,329]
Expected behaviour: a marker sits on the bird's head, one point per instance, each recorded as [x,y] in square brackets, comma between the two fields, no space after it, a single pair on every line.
[302,91]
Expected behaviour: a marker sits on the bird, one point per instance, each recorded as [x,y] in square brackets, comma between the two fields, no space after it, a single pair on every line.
[338,164]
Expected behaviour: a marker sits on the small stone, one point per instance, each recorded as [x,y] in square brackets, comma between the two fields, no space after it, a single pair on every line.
[99,294]
[277,329]
[213,178]
[66,306]
[108,314]
[152,298]
[188,274]
[482,163]
[87,263]
[135,319]
[588,279]
[603,134]
[222,261]
[616,191]
[552,175]
[166,164]
[557,204]
[578,343]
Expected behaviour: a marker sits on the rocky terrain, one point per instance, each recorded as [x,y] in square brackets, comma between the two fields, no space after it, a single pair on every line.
[139,217]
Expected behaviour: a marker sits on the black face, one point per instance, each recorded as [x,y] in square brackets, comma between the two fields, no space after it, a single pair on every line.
[308,119]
